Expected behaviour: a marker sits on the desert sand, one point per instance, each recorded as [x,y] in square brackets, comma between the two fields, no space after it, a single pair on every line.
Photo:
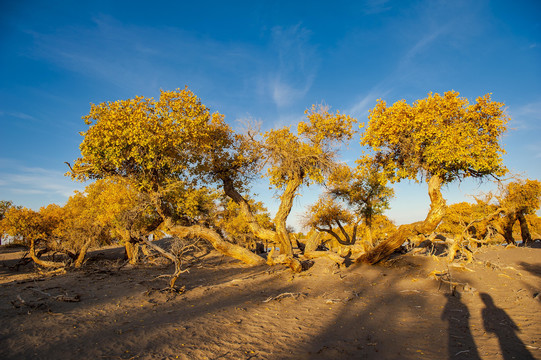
[403,308]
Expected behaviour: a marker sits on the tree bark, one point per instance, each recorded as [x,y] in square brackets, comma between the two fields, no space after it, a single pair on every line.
[354,234]
[346,236]
[286,203]
[82,254]
[225,247]
[168,255]
[280,236]
[508,223]
[437,210]
[524,230]
[333,234]
[310,251]
[132,251]
[44,263]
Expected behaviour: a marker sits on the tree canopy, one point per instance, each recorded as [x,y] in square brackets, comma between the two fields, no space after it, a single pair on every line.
[444,136]
[440,139]
[151,142]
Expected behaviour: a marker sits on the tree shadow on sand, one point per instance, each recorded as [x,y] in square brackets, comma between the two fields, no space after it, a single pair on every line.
[460,340]
[378,320]
[496,320]
[534,269]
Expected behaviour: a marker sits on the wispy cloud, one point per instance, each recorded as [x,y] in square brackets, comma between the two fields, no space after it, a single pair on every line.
[418,41]
[142,60]
[285,94]
[17,115]
[537,152]
[20,184]
[527,116]
[137,57]
[297,65]
[424,43]
[367,101]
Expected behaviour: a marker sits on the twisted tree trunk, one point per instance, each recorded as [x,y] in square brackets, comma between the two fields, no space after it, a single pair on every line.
[508,223]
[280,236]
[286,203]
[437,210]
[524,230]
[44,263]
[225,247]
[82,253]
[310,250]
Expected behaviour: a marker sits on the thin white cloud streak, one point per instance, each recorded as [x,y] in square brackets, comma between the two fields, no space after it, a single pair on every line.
[285,94]
[142,60]
[526,117]
[361,108]
[423,43]
[18,182]
[532,109]
[403,69]
[17,114]
[297,65]
[132,57]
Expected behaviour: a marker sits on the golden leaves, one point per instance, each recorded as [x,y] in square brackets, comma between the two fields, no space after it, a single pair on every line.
[309,154]
[522,196]
[148,140]
[438,135]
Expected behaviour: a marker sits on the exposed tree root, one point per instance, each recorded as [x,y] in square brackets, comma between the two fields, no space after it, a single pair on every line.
[310,250]
[437,210]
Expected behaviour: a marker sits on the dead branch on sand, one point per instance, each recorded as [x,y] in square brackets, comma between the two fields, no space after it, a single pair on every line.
[284,295]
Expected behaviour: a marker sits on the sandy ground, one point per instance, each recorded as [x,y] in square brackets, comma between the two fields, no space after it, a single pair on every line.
[396,310]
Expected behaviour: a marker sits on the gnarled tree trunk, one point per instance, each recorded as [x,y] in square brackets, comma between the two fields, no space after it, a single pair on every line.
[82,254]
[225,247]
[280,236]
[437,210]
[524,230]
[44,263]
[197,231]
[168,255]
[310,250]
[286,203]
[132,251]
[508,223]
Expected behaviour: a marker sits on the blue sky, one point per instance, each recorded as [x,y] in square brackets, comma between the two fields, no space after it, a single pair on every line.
[260,60]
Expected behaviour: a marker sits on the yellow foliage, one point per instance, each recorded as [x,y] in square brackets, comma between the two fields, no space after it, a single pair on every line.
[460,215]
[327,213]
[151,142]
[309,154]
[364,188]
[439,135]
[522,196]
[235,223]
[24,224]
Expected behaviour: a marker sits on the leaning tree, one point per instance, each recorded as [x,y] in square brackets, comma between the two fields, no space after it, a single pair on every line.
[439,139]
[158,147]
[292,160]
